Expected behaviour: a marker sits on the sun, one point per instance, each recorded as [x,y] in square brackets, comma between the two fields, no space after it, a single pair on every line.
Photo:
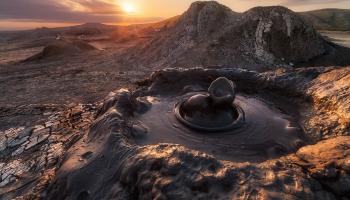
[128,8]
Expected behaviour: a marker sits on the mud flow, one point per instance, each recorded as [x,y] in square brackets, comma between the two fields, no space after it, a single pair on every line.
[265,132]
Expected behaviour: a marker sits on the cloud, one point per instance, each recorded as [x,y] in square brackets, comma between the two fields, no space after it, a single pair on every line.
[108,11]
[60,11]
[310,2]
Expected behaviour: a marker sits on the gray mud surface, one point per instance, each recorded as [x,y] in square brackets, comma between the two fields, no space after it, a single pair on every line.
[266,132]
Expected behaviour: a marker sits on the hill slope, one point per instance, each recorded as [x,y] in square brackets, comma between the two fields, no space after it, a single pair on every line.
[329,19]
[209,33]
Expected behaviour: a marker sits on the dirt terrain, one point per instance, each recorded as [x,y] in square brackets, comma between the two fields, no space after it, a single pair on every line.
[73,98]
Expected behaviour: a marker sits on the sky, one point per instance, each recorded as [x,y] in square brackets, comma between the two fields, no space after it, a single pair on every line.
[28,14]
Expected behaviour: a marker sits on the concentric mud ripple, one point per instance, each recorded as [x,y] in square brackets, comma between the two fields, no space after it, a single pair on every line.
[267,132]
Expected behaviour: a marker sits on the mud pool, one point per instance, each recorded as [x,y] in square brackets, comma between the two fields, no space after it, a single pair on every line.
[266,132]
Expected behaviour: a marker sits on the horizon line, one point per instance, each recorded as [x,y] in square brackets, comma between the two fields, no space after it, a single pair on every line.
[159,19]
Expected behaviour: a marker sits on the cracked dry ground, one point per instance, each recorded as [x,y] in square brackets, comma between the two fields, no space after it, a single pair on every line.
[29,156]
[34,160]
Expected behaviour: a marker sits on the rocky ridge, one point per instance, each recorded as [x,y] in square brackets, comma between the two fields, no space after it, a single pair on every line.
[209,33]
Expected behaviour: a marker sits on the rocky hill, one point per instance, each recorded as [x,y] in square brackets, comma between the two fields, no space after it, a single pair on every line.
[209,33]
[329,19]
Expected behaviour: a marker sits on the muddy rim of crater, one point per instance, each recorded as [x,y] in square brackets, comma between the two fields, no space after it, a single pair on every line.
[122,164]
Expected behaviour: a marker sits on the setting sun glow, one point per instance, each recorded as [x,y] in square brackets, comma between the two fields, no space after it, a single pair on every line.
[128,8]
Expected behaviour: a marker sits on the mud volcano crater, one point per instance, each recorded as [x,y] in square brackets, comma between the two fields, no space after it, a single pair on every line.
[211,117]
[137,148]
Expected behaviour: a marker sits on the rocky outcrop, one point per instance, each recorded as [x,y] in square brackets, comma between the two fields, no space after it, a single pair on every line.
[282,35]
[209,33]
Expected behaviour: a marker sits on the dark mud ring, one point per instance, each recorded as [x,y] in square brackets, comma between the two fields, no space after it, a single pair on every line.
[235,124]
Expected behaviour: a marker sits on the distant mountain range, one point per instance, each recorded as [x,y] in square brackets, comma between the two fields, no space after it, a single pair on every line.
[329,19]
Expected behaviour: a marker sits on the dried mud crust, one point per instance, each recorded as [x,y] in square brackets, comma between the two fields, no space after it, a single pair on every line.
[331,99]
[95,155]
[30,155]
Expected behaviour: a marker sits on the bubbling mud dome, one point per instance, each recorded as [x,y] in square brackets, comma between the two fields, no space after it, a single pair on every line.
[230,126]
